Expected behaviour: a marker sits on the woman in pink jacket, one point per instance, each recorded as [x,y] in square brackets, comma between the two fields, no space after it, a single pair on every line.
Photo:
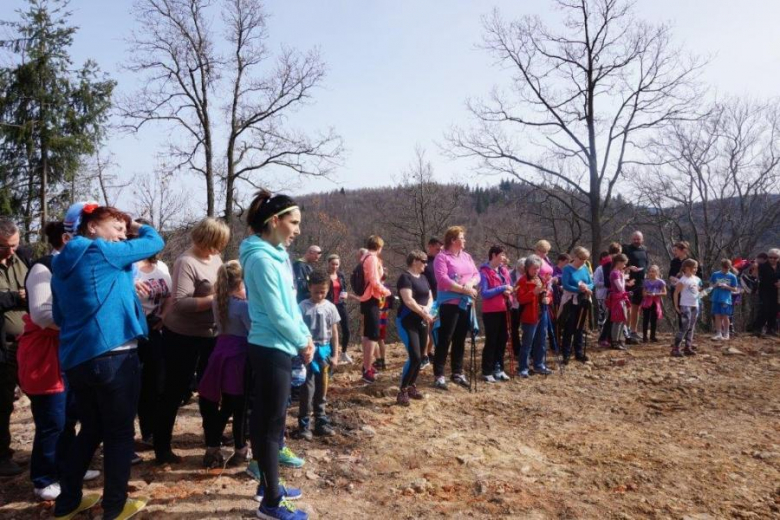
[369,302]
[456,279]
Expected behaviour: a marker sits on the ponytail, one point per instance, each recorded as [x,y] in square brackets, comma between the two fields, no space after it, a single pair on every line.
[229,278]
[264,207]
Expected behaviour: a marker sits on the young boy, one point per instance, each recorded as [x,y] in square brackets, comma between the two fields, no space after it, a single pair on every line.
[322,318]
[724,285]
[686,303]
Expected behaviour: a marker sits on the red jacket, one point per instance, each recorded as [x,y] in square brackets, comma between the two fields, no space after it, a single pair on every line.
[529,302]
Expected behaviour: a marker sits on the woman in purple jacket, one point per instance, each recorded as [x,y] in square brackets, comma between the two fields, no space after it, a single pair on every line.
[495,287]
[456,279]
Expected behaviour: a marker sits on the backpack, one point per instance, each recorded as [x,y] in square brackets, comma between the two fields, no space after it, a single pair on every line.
[357,280]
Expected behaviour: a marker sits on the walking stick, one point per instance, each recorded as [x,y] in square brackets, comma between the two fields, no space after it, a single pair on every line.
[473,363]
[510,338]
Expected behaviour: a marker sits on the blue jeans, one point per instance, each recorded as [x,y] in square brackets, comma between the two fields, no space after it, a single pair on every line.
[54,416]
[534,339]
[106,391]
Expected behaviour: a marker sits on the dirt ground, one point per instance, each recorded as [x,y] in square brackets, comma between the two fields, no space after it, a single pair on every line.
[627,435]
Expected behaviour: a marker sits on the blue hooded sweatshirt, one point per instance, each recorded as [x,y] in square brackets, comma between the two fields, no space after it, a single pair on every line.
[94,301]
[276,318]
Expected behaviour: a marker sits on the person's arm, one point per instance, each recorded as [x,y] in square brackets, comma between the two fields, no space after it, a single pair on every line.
[567,281]
[125,253]
[183,294]
[677,290]
[527,294]
[263,277]
[371,275]
[406,296]
[485,291]
[598,278]
[10,300]
[39,296]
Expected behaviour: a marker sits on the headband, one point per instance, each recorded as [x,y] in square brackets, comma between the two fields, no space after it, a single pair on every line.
[280,213]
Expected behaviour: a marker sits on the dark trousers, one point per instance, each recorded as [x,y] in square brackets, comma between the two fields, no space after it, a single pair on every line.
[573,328]
[312,398]
[152,381]
[767,312]
[8,381]
[271,370]
[54,416]
[649,320]
[413,331]
[106,392]
[344,324]
[516,344]
[452,331]
[215,417]
[495,341]
[181,356]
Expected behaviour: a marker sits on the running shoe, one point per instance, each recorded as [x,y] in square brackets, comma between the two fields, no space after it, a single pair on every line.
[425,363]
[544,371]
[288,458]
[132,507]
[50,492]
[440,383]
[523,373]
[345,359]
[288,493]
[91,474]
[369,376]
[136,459]
[284,511]
[487,379]
[460,379]
[253,470]
[87,502]
[213,458]
[501,376]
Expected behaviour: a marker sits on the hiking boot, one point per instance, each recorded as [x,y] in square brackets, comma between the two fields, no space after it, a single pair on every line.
[50,492]
[488,379]
[676,352]
[440,383]
[322,428]
[239,457]
[87,502]
[414,393]
[9,468]
[402,399]
[303,433]
[543,371]
[284,511]
[288,493]
[460,379]
[213,458]
[288,458]
[501,376]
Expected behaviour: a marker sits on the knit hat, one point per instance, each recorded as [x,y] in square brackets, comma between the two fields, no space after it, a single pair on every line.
[73,216]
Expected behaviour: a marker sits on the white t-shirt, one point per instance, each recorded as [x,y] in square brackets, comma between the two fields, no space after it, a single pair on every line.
[158,283]
[689,295]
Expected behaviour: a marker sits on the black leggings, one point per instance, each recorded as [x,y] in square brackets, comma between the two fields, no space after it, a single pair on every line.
[452,331]
[767,312]
[344,323]
[576,319]
[495,341]
[152,380]
[413,331]
[649,319]
[181,356]
[215,418]
[271,371]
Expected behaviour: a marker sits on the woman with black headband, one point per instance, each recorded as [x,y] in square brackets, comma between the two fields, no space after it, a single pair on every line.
[277,334]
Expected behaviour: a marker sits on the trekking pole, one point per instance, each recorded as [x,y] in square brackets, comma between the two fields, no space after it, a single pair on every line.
[551,333]
[473,369]
[510,338]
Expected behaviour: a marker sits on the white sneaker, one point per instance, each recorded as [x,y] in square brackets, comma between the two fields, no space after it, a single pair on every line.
[501,376]
[717,337]
[489,379]
[345,359]
[50,492]
[91,474]
[725,337]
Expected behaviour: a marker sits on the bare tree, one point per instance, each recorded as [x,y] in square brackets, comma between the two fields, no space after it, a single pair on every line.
[160,200]
[422,207]
[716,182]
[186,77]
[582,99]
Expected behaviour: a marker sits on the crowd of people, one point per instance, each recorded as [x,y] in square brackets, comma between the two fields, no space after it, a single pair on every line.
[100,331]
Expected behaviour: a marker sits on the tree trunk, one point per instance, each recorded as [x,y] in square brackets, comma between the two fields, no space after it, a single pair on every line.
[209,171]
[44,187]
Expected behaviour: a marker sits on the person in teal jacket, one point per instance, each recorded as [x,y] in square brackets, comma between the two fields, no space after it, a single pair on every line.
[100,319]
[577,284]
[277,334]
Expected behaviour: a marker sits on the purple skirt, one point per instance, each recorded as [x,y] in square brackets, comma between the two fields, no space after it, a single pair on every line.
[225,371]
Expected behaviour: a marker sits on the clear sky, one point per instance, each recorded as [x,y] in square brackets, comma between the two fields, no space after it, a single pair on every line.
[400,70]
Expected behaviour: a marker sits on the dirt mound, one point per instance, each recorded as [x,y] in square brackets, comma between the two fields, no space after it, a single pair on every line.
[627,435]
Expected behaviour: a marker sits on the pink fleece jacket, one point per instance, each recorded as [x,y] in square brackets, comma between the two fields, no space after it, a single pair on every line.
[454,269]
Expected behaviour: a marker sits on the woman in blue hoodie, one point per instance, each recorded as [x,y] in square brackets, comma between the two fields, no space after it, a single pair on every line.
[277,334]
[100,320]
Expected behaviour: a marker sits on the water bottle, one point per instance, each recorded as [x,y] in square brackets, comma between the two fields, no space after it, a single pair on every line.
[298,371]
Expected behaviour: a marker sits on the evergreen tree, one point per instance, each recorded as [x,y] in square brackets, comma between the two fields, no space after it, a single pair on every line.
[51,115]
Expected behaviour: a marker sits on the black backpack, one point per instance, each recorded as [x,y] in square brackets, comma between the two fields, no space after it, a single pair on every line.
[358,279]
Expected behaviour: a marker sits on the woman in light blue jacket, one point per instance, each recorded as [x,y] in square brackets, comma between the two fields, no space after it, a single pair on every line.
[277,334]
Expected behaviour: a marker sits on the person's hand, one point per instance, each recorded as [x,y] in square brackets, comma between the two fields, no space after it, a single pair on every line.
[470,291]
[546,300]
[676,309]
[538,290]
[308,353]
[134,227]
[507,290]
[630,283]
[22,294]
[634,269]
[141,289]
[333,360]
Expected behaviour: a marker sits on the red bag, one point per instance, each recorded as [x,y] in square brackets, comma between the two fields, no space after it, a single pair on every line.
[38,360]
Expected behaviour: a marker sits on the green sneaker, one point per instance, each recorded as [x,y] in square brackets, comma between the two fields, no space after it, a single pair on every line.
[87,502]
[132,507]
[288,458]
[253,470]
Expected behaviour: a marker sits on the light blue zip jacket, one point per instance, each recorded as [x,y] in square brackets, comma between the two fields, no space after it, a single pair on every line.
[276,318]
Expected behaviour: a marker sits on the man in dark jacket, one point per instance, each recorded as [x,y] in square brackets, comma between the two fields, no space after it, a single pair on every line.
[302,268]
[768,280]
[13,301]
[638,262]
